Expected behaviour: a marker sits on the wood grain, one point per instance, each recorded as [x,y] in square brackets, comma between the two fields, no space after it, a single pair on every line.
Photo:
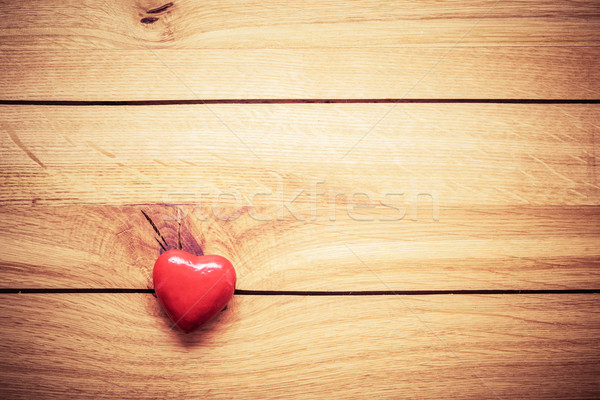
[96,24]
[120,346]
[333,73]
[307,197]
[100,50]
[459,154]
[435,197]
[478,248]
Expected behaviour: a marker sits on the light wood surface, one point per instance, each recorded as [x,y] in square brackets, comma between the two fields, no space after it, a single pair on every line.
[120,346]
[99,50]
[438,196]
[481,248]
[291,73]
[462,154]
[497,197]
[113,24]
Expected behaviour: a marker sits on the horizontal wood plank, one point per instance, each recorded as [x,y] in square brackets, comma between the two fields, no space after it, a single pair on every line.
[479,248]
[120,346]
[277,24]
[338,73]
[434,197]
[459,154]
[101,50]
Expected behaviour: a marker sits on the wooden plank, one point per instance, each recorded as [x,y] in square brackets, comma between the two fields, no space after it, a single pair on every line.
[476,248]
[120,346]
[333,73]
[458,154]
[99,50]
[276,24]
[435,197]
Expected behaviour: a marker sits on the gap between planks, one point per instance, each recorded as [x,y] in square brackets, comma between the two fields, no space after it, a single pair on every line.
[72,103]
[246,292]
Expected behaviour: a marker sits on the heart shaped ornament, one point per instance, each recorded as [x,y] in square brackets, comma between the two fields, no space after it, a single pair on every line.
[192,289]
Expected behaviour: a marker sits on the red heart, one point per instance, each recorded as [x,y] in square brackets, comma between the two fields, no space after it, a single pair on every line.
[192,289]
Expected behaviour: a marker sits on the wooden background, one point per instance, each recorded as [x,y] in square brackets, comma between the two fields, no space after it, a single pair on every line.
[408,191]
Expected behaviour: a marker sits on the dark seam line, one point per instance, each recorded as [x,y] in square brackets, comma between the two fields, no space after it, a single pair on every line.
[410,292]
[291,101]
[244,292]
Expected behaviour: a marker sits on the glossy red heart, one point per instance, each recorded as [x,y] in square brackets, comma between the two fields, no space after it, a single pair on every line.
[192,289]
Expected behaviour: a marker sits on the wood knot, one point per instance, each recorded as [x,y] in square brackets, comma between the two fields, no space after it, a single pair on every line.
[160,9]
[148,20]
[157,10]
